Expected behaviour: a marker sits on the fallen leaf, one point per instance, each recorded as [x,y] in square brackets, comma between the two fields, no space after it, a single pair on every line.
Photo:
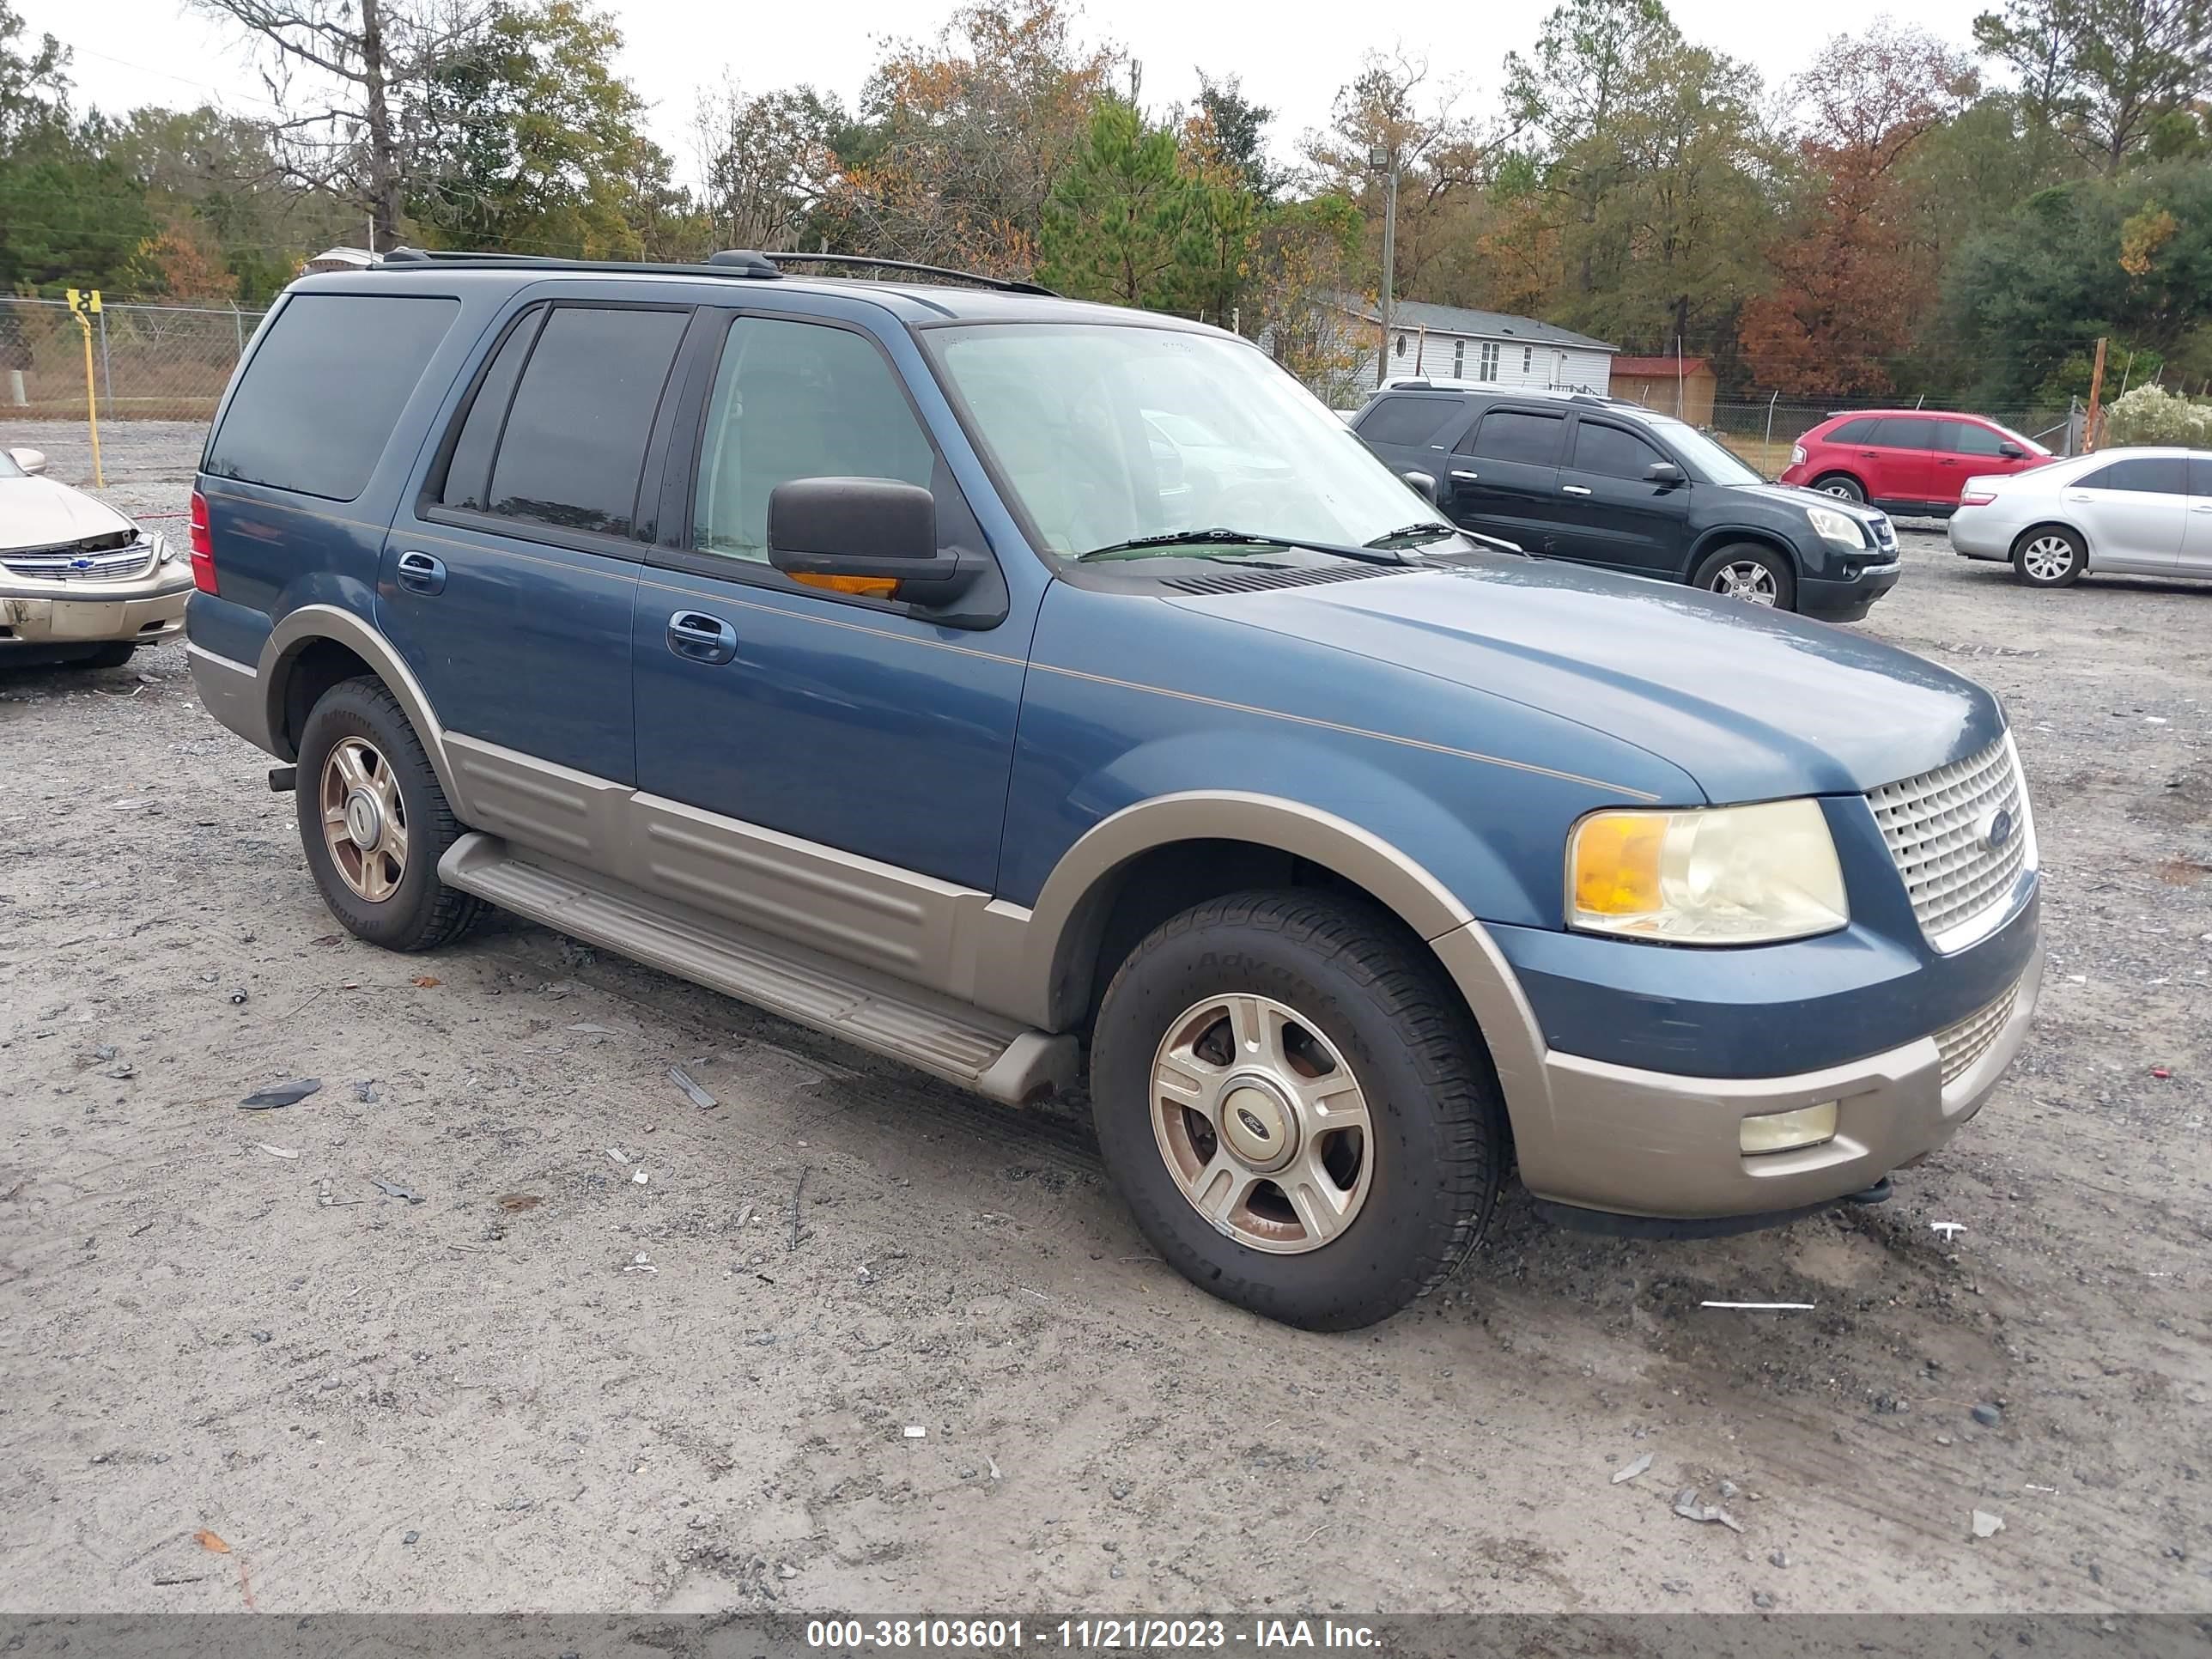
[518,1200]
[328,938]
[281,1094]
[276,1152]
[425,981]
[207,1541]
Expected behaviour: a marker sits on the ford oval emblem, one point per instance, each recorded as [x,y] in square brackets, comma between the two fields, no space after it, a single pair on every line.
[1258,1130]
[1997,828]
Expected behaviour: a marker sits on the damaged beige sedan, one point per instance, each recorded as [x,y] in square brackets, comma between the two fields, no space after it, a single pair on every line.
[79,583]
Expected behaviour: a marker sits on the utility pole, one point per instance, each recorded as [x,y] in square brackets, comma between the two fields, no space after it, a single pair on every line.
[1385,161]
[2089,434]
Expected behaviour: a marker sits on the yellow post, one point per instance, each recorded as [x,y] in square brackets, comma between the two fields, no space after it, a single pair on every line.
[82,306]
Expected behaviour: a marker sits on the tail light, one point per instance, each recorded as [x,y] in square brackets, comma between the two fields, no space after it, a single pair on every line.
[1978,498]
[202,546]
[1796,454]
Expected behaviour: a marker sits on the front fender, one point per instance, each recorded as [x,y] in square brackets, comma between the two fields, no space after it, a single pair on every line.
[300,629]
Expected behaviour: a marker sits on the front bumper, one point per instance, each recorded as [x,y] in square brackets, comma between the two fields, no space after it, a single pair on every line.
[1839,600]
[1648,1142]
[37,615]
[1594,1135]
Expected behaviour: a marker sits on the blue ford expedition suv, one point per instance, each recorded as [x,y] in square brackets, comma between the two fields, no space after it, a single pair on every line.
[999,682]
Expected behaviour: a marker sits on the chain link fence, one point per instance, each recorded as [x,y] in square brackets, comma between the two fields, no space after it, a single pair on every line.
[148,362]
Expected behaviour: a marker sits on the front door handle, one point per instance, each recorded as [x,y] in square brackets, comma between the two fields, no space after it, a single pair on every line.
[1458,476]
[421,573]
[1574,490]
[2079,496]
[697,637]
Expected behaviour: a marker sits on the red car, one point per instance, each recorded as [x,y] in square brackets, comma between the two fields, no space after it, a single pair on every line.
[1908,461]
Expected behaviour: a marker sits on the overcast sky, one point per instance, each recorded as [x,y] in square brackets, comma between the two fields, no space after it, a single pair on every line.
[1292,54]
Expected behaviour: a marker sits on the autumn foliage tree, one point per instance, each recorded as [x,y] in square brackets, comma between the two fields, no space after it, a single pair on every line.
[1851,275]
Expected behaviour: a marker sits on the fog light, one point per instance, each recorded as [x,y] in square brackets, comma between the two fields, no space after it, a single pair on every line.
[1783,1132]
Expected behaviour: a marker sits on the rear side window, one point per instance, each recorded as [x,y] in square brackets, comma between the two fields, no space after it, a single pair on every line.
[2166,475]
[1407,420]
[1860,431]
[1903,434]
[468,474]
[1611,452]
[1967,439]
[2200,475]
[1514,434]
[575,436]
[324,389]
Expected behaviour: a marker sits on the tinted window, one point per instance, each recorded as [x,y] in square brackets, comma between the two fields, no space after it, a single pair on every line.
[324,388]
[1513,435]
[1904,434]
[798,400]
[1405,420]
[2200,475]
[1860,431]
[575,437]
[1611,452]
[1967,439]
[468,474]
[2160,476]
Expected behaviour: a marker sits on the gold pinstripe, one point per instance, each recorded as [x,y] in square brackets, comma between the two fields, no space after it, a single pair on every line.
[1347,730]
[1312,722]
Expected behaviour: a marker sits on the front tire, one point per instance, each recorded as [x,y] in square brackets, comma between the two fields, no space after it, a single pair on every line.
[374,822]
[113,654]
[1842,486]
[1296,1108]
[2049,557]
[1757,576]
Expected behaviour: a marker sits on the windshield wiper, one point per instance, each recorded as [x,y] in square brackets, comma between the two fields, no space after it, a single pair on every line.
[1431,528]
[1219,537]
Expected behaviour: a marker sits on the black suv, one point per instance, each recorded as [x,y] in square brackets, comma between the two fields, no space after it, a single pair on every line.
[1602,481]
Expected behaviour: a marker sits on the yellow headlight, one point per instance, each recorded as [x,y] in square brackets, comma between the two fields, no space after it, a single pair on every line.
[1718,875]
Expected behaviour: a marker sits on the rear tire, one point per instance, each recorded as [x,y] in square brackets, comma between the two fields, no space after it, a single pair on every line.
[374,822]
[113,654]
[2049,555]
[1755,574]
[1313,1040]
[1842,486]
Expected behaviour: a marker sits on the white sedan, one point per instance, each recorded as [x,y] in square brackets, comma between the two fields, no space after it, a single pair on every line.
[79,583]
[2122,512]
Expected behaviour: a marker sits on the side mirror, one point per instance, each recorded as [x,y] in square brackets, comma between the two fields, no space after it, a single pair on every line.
[2012,451]
[861,534]
[32,461]
[1664,472]
[1424,485]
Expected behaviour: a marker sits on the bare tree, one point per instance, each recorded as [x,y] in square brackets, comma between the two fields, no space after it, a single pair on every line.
[349,75]
[768,162]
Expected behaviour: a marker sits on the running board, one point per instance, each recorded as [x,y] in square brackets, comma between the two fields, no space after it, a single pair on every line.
[999,1059]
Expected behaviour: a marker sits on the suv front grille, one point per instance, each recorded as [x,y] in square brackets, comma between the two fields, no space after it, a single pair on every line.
[1962,1044]
[60,563]
[1936,826]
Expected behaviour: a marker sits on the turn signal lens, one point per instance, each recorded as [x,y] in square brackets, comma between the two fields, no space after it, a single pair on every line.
[1784,1132]
[873,587]
[1719,875]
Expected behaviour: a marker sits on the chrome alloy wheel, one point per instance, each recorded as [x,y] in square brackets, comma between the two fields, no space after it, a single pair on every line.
[2047,558]
[364,819]
[1746,579]
[1262,1124]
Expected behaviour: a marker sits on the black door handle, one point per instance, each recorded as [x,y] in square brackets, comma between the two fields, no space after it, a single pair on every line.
[697,637]
[421,573]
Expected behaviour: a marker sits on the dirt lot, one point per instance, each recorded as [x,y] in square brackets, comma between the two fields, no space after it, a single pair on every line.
[616,1358]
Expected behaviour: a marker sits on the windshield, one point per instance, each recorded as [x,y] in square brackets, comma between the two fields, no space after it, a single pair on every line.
[1111,434]
[1708,459]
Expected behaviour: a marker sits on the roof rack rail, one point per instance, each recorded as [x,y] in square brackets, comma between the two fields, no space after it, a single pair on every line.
[751,262]
[728,262]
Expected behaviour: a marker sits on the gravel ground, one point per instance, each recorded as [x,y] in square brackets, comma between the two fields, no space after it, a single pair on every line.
[615,1357]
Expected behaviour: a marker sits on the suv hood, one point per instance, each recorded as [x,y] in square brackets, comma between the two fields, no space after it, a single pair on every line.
[41,513]
[1798,495]
[1754,704]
